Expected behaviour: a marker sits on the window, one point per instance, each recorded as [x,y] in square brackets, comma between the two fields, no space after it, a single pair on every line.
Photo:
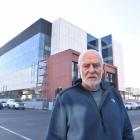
[107,52]
[92,42]
[111,78]
[75,73]
[106,41]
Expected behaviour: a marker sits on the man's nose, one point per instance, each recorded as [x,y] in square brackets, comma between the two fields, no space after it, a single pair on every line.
[91,68]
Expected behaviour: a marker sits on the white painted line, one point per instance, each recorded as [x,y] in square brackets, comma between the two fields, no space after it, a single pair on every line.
[4,128]
[137,128]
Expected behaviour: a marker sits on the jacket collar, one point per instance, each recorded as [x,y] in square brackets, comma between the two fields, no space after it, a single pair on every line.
[104,84]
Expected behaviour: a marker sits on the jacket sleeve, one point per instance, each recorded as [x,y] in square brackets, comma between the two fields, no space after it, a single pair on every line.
[58,122]
[127,130]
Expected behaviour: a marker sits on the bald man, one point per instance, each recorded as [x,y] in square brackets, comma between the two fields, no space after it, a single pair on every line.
[90,110]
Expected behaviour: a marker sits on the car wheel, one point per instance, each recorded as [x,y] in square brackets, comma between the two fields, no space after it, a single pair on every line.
[8,106]
[14,107]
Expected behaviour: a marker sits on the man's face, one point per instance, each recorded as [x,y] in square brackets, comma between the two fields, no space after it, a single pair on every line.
[91,70]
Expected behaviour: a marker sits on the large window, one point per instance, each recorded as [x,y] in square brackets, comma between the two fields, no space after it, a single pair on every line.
[75,73]
[111,78]
[20,57]
[92,42]
[107,52]
[18,67]
[109,61]
[106,41]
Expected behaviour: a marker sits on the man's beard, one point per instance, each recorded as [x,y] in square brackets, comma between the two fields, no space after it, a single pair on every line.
[93,85]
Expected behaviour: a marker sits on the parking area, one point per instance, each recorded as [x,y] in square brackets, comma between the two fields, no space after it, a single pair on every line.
[23,124]
[135,119]
[31,124]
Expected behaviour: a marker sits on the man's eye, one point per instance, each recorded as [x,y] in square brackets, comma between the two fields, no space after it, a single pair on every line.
[96,65]
[86,66]
[93,65]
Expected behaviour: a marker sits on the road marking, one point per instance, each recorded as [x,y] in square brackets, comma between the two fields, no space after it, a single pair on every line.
[4,128]
[137,128]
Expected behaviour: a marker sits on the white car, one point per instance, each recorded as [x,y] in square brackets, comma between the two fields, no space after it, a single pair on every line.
[131,105]
[4,104]
[15,104]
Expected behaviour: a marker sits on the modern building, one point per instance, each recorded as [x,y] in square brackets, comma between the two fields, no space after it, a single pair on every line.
[44,57]
[67,36]
[21,57]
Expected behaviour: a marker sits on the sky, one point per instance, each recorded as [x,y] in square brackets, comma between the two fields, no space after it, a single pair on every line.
[121,18]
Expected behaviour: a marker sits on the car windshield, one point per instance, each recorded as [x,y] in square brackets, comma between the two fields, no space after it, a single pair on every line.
[128,103]
[3,102]
[18,100]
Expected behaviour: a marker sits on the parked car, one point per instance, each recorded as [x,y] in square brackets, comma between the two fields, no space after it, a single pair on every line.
[131,105]
[4,104]
[1,106]
[15,104]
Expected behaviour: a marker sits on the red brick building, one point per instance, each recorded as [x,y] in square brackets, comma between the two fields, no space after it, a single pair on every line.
[61,70]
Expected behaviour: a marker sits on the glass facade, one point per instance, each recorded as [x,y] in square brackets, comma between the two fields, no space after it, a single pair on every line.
[107,52]
[92,42]
[19,65]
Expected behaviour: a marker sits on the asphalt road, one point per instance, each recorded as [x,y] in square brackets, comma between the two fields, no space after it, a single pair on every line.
[32,124]
[23,124]
[135,119]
